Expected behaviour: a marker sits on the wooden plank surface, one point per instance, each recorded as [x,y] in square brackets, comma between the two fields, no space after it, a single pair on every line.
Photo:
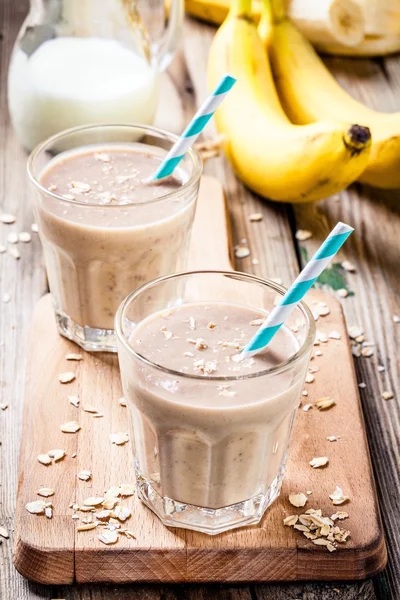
[48,552]
[272,243]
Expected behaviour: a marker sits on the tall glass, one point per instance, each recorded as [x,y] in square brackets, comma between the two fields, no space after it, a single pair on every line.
[203,462]
[97,253]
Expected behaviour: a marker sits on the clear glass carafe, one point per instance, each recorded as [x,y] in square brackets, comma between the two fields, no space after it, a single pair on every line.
[89,61]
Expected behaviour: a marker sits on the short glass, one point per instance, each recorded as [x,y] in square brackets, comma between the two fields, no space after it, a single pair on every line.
[207,466]
[96,254]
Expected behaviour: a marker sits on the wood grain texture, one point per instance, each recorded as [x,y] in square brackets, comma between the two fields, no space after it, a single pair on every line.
[49,552]
[271,242]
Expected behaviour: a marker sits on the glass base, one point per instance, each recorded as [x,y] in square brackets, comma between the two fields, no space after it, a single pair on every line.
[88,338]
[206,520]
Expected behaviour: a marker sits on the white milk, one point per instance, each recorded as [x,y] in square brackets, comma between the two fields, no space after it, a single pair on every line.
[71,81]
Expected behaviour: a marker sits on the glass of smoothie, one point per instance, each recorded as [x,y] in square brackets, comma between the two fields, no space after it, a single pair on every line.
[210,433]
[104,230]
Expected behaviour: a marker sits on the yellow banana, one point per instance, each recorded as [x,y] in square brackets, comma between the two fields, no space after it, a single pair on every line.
[216,11]
[309,93]
[273,157]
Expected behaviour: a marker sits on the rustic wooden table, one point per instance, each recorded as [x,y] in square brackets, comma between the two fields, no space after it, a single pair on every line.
[374,250]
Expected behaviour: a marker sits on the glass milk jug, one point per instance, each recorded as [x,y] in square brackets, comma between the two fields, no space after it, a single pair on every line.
[89,61]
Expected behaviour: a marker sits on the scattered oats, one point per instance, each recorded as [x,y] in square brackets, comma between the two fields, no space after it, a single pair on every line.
[360,339]
[2,249]
[211,325]
[320,461]
[291,520]
[309,492]
[386,395]
[367,351]
[103,515]
[342,293]
[309,378]
[333,438]
[325,403]
[72,356]
[57,454]
[362,385]
[66,377]
[255,217]
[48,511]
[321,337]
[89,409]
[331,547]
[12,238]
[122,402]
[303,234]
[321,542]
[45,492]
[34,228]
[355,331]
[108,537]
[70,427]
[348,266]
[93,501]
[36,508]
[84,475]
[255,261]
[73,455]
[334,335]
[74,400]
[7,219]
[24,237]
[98,415]
[338,497]
[242,252]
[3,406]
[122,513]
[309,535]
[339,515]
[6,298]
[318,353]
[304,393]
[86,508]
[323,309]
[4,533]
[192,323]
[113,492]
[314,369]
[74,506]
[109,503]
[14,252]
[86,527]
[188,354]
[356,351]
[381,368]
[44,459]
[126,489]
[119,438]
[396,319]
[257,322]
[307,407]
[102,156]
[298,500]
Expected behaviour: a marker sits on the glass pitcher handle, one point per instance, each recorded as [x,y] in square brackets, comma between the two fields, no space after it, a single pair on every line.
[165,47]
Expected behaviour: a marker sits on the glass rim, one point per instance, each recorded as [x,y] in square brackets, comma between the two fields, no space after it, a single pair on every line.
[162,133]
[293,359]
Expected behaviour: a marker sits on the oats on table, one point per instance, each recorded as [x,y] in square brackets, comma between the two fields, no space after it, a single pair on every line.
[333,438]
[44,459]
[211,325]
[339,515]
[355,331]
[338,497]
[73,356]
[108,537]
[3,406]
[93,501]
[303,234]
[310,378]
[24,237]
[122,402]
[89,409]
[367,351]
[45,492]
[386,395]
[66,377]
[242,252]
[362,385]
[84,475]
[70,427]
[254,217]
[290,520]
[334,335]
[325,403]
[126,489]
[342,293]
[37,507]
[119,439]
[74,400]
[7,218]
[298,499]
[34,228]
[12,238]
[122,513]
[86,526]
[4,533]
[57,454]
[323,309]
[307,407]
[348,266]
[319,461]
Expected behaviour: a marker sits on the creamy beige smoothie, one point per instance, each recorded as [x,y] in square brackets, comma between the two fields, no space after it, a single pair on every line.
[105,230]
[213,432]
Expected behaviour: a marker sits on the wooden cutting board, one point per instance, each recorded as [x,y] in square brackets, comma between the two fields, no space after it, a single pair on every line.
[50,551]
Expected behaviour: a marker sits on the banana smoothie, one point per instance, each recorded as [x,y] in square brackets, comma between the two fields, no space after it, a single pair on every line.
[105,231]
[209,431]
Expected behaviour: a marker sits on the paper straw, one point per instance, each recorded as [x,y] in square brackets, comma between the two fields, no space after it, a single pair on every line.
[195,127]
[298,289]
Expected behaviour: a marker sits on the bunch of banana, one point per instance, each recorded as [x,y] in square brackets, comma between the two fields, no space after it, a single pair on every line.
[321,21]
[309,94]
[273,157]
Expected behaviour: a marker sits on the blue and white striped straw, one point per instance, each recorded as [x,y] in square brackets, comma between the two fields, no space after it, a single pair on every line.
[298,289]
[195,127]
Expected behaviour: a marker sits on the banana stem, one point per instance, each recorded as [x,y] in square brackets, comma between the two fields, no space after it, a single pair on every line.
[241,8]
[276,9]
